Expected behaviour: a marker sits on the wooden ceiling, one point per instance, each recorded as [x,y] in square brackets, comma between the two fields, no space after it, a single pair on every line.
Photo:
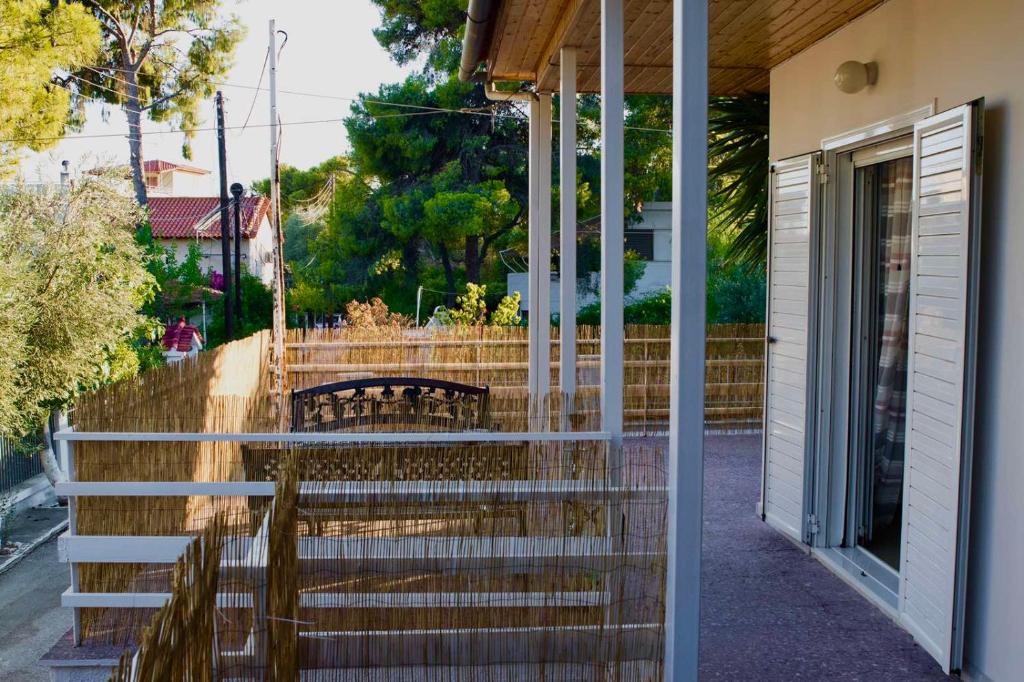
[747,38]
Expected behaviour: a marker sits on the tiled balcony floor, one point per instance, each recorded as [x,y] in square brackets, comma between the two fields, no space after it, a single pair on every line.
[772,612]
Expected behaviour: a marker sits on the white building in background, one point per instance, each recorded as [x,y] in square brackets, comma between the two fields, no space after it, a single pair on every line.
[651,239]
[177,222]
[180,215]
[165,178]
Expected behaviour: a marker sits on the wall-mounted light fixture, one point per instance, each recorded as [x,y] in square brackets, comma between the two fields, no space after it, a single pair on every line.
[854,76]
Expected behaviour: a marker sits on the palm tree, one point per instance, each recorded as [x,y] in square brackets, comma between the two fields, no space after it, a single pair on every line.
[738,175]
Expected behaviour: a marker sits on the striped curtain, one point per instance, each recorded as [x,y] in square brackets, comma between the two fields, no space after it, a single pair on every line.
[895,180]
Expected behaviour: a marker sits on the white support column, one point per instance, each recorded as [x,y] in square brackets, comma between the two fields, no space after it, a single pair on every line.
[533,244]
[539,260]
[686,425]
[612,218]
[542,306]
[567,221]
[612,253]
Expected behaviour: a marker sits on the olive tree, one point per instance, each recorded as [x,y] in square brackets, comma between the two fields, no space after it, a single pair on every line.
[72,281]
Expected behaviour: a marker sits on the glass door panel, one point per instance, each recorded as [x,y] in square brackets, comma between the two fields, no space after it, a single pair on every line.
[882,200]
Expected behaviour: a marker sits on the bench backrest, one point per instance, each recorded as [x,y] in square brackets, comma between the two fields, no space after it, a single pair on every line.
[425,404]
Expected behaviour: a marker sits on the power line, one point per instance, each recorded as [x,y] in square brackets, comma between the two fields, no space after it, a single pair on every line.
[266,56]
[209,129]
[158,132]
[477,111]
[422,111]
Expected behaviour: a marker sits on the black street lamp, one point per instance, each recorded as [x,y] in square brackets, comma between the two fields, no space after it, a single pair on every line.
[236,191]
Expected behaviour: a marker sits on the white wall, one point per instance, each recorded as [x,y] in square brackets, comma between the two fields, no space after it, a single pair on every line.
[172,183]
[948,52]
[260,251]
[518,281]
[656,216]
[256,253]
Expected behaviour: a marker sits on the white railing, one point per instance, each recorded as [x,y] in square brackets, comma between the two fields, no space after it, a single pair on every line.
[76,549]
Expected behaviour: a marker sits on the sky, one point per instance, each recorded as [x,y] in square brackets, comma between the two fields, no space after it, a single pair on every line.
[330,52]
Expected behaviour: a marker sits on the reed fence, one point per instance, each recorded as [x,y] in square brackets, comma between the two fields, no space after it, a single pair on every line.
[522,559]
[497,357]
[501,555]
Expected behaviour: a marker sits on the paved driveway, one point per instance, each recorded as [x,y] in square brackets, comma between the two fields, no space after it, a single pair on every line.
[31,617]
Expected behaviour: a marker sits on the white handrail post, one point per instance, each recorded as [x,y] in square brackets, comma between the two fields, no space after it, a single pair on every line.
[686,420]
[567,222]
[65,454]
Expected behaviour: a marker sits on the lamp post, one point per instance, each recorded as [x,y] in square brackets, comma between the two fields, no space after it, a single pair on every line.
[236,191]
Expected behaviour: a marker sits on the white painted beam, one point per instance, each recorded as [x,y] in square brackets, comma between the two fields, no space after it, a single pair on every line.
[356,600]
[512,554]
[142,549]
[327,438]
[686,420]
[165,489]
[612,217]
[452,600]
[121,549]
[592,644]
[544,670]
[141,600]
[474,491]
[567,225]
[371,491]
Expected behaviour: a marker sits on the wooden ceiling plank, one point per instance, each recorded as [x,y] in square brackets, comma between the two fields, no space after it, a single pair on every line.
[800,34]
[651,45]
[548,65]
[747,38]
[529,28]
[813,32]
[502,27]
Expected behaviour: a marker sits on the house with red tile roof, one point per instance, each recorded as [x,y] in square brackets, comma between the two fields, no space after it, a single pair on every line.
[181,340]
[178,222]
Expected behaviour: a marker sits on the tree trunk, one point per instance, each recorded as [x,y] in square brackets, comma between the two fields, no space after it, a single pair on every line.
[473,259]
[48,456]
[449,276]
[133,110]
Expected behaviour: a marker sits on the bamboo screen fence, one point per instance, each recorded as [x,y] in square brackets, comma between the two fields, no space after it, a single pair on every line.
[495,559]
[224,390]
[497,357]
[524,560]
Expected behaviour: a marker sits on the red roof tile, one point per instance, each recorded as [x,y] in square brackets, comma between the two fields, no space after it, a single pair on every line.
[178,217]
[179,337]
[159,166]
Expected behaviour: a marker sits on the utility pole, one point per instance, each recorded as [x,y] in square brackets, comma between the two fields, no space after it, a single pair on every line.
[236,193]
[225,223]
[275,220]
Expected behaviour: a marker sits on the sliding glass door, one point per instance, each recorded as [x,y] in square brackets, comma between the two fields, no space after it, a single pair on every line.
[882,217]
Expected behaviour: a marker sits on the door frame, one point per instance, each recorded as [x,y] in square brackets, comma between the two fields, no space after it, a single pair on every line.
[833,370]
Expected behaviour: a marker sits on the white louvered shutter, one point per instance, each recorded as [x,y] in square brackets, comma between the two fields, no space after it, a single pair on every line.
[943,305]
[793,215]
